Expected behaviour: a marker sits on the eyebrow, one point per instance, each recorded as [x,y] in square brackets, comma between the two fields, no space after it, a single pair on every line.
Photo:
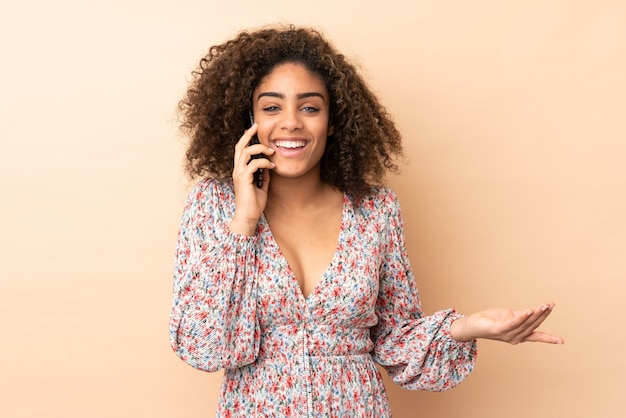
[298,96]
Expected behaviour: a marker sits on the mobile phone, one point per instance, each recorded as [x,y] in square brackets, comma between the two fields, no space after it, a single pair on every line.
[258,175]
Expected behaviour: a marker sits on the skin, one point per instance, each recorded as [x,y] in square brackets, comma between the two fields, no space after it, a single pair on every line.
[506,325]
[292,104]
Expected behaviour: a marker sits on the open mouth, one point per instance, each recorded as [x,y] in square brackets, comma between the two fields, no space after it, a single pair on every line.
[288,144]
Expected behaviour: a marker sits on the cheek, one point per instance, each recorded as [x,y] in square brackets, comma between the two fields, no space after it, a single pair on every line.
[323,129]
[263,134]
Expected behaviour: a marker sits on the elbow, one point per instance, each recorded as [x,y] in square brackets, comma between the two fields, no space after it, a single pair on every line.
[199,357]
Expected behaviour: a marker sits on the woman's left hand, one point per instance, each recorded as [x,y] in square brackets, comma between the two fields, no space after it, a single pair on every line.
[506,325]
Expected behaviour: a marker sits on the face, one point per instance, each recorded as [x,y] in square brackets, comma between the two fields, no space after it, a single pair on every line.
[291,110]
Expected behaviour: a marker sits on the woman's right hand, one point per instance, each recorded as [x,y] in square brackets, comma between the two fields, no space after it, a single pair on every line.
[249,199]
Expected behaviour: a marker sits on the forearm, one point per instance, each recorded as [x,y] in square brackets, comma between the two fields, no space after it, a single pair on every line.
[218,303]
[422,355]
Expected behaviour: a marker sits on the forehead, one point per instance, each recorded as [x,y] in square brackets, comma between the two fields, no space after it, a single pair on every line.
[291,77]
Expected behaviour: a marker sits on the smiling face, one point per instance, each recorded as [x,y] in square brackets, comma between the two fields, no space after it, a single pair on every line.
[291,107]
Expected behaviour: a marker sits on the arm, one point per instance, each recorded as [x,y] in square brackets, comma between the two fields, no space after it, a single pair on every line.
[417,351]
[213,318]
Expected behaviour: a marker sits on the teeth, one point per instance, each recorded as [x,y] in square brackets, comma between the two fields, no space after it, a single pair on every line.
[290,144]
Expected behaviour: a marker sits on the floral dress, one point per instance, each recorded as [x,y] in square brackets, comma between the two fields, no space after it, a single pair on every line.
[238,306]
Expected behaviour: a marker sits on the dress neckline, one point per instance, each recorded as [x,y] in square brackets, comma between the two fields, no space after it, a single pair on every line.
[292,277]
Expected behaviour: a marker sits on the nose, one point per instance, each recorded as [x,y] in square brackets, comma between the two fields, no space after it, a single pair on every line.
[291,120]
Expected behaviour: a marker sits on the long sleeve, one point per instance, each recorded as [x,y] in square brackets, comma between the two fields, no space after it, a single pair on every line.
[213,321]
[417,351]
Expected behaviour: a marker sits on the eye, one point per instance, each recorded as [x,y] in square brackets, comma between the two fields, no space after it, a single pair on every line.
[271,109]
[310,109]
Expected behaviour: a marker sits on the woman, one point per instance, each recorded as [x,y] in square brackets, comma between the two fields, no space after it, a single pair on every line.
[299,284]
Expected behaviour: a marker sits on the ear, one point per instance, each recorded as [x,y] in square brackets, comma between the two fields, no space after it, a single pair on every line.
[331,130]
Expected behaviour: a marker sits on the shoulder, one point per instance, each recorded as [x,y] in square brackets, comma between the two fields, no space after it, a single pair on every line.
[209,194]
[380,205]
[384,194]
[380,198]
[211,188]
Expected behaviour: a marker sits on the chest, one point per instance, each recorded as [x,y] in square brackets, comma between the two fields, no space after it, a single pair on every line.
[308,245]
[345,292]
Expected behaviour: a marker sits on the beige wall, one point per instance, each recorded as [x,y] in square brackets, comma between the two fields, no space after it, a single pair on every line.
[515,126]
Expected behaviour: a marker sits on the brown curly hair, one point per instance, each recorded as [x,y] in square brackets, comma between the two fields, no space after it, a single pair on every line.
[215,110]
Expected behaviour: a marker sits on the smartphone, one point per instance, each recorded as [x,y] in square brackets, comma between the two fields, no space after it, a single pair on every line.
[258,175]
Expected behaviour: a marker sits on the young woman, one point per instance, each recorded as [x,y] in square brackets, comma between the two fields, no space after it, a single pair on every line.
[299,284]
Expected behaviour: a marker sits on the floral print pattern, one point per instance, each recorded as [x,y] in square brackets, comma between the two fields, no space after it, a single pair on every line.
[238,306]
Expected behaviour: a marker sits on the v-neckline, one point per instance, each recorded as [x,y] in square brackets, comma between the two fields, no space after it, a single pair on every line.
[292,276]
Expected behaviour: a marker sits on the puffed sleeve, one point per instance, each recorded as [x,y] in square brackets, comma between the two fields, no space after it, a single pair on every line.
[417,351]
[213,322]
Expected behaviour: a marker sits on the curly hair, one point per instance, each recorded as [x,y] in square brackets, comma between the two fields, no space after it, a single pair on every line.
[214,111]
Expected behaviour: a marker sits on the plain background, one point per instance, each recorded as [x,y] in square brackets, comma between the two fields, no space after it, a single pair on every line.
[514,119]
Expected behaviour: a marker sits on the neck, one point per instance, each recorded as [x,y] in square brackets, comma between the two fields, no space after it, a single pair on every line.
[297,193]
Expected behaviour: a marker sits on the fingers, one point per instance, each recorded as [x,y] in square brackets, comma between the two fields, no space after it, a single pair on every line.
[540,314]
[245,139]
[524,329]
[244,163]
[538,336]
[242,152]
[543,337]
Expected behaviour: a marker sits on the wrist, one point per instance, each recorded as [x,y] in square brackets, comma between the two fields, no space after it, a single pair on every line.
[243,227]
[459,331]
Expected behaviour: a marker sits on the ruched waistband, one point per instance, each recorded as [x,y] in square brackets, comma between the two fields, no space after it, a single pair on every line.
[314,340]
